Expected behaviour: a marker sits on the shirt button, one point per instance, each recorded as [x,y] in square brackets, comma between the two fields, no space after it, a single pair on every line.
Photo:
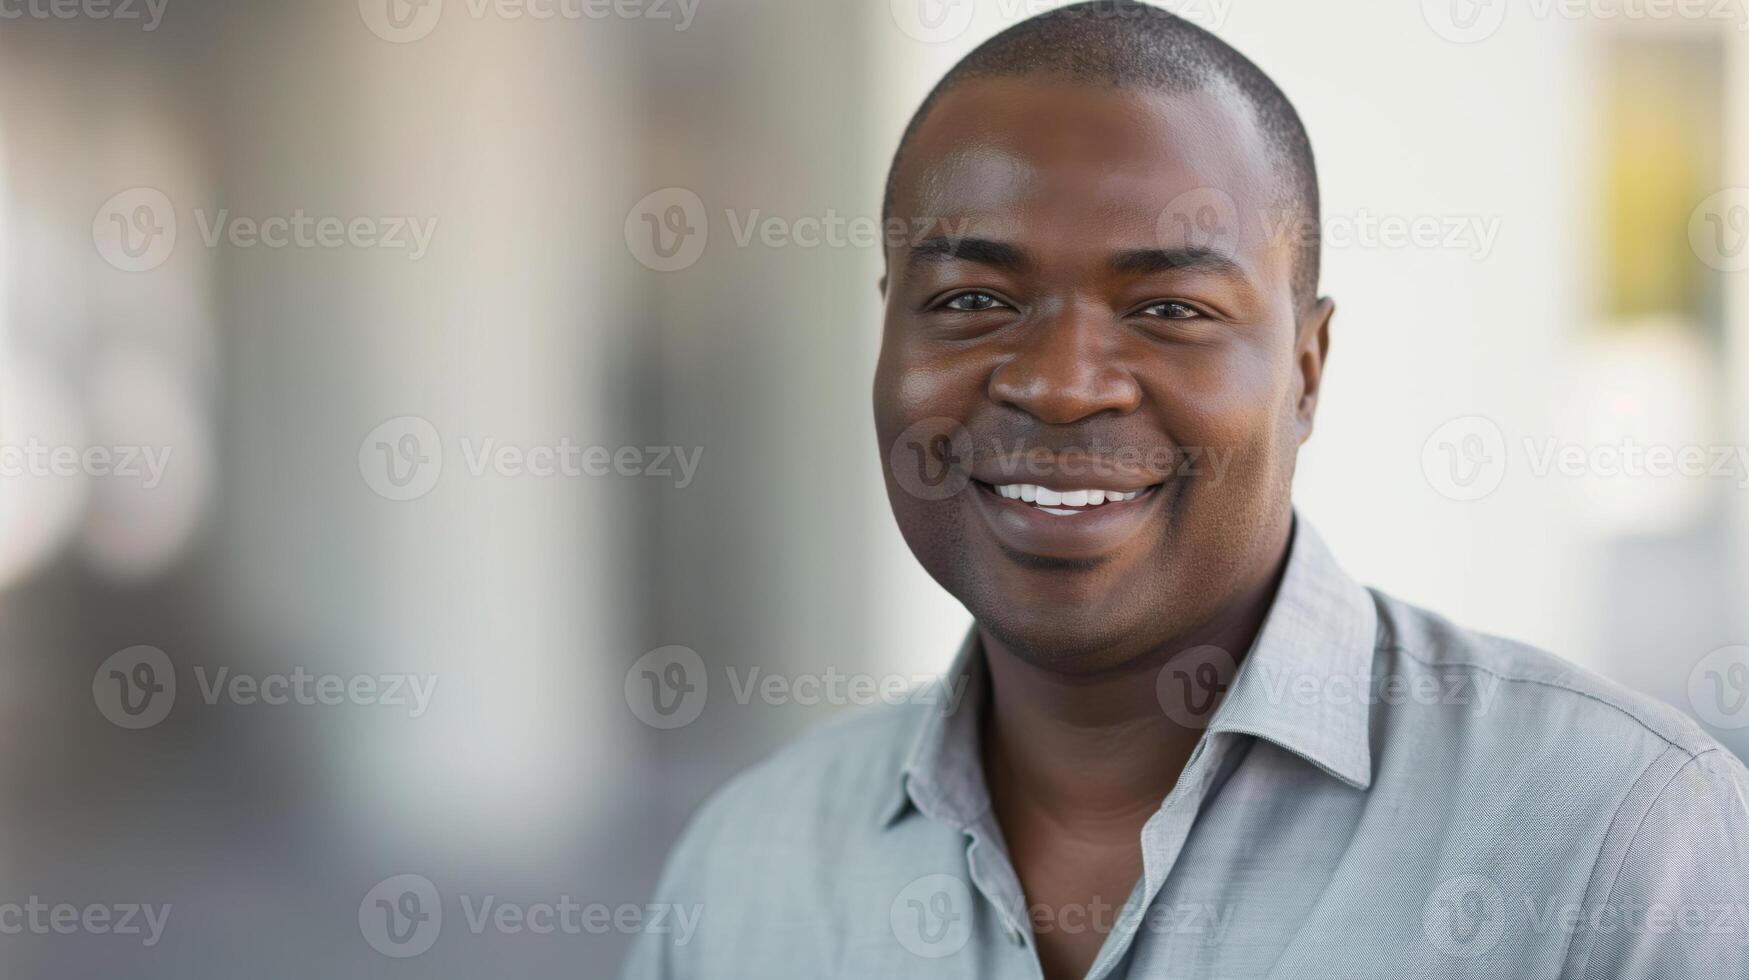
[1017,936]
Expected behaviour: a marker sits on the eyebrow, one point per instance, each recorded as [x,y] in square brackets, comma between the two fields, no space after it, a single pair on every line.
[982,251]
[1143,261]
[1136,261]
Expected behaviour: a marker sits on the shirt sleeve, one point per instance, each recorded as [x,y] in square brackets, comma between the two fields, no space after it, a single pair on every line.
[658,955]
[1676,904]
[692,878]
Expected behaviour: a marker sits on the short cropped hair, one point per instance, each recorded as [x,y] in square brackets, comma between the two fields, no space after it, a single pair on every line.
[1128,43]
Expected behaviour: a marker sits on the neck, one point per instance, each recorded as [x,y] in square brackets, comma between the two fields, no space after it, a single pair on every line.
[1098,750]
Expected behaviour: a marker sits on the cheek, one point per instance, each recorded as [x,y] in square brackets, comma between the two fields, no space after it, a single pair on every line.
[911,391]
[914,383]
[1230,398]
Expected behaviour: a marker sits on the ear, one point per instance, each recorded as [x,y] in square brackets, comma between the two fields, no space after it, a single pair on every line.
[1311,350]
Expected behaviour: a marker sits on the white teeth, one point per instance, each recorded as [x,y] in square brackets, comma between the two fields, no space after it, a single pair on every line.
[1054,501]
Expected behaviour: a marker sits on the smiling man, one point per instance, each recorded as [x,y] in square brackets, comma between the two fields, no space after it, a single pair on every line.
[1190,746]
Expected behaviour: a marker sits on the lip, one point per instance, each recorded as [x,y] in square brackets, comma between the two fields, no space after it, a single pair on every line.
[1095,533]
[1063,473]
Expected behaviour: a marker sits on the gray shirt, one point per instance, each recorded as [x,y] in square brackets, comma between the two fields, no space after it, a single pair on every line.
[1378,794]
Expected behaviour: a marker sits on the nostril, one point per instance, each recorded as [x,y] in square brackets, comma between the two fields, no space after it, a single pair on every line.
[1060,387]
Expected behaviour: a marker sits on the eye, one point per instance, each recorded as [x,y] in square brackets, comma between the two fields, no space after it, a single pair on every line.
[1172,310]
[972,302]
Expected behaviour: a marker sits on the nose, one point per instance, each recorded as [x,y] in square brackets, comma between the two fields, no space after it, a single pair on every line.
[1066,369]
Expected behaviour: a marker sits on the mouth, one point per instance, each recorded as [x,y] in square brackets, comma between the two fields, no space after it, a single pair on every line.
[1063,503]
[1079,524]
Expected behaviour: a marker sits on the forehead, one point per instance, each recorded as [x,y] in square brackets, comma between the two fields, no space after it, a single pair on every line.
[1089,160]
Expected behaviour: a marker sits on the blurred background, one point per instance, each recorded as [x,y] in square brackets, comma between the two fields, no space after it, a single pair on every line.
[393,393]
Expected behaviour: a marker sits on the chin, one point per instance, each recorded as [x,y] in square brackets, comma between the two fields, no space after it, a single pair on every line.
[1060,646]
[1066,630]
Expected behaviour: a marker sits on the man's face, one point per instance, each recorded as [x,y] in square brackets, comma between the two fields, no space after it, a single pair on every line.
[1099,300]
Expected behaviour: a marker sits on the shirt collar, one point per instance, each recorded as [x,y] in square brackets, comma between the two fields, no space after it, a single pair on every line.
[1306,682]
[1303,686]
[943,775]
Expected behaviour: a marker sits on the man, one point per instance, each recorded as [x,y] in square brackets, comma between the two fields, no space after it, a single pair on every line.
[1189,745]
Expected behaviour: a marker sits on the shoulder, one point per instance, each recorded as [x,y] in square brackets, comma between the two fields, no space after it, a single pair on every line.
[816,794]
[759,865]
[1518,691]
[852,760]
[1579,796]
[1536,748]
